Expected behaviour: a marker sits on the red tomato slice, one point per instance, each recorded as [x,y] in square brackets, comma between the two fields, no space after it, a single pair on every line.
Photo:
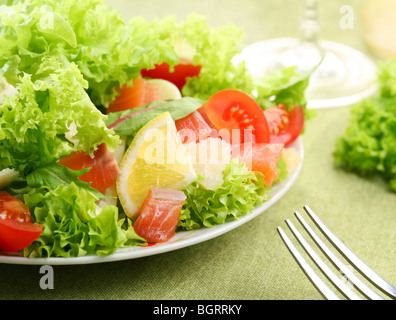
[16,228]
[13,208]
[104,167]
[285,126]
[178,77]
[159,214]
[139,94]
[193,128]
[231,109]
[262,157]
[16,235]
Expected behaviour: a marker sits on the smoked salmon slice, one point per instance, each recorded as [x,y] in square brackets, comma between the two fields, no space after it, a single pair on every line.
[103,166]
[141,93]
[193,128]
[159,214]
[262,157]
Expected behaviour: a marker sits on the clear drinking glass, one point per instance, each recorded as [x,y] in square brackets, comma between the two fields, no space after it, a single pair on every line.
[344,76]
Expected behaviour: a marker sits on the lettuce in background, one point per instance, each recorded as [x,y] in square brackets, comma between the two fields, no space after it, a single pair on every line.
[368,145]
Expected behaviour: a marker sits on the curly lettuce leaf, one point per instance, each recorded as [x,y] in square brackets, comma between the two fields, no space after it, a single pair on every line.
[285,86]
[219,70]
[75,220]
[49,119]
[72,227]
[368,145]
[108,51]
[241,191]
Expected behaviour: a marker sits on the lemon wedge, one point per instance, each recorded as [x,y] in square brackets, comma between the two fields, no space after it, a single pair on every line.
[155,158]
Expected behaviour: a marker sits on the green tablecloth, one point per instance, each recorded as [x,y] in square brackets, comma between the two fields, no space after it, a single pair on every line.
[250,262]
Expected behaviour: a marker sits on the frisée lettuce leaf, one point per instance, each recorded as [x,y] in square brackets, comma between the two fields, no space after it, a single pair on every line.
[49,119]
[241,191]
[108,51]
[368,145]
[73,228]
[65,59]
[76,218]
[219,69]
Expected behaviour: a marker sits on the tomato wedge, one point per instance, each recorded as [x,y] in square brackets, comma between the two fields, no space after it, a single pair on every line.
[13,208]
[262,157]
[16,235]
[239,114]
[139,94]
[178,77]
[16,228]
[103,166]
[159,214]
[285,126]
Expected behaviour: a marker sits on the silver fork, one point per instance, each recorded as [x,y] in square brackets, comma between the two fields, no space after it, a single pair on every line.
[347,272]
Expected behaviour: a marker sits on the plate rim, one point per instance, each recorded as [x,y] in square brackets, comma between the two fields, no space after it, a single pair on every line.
[206,234]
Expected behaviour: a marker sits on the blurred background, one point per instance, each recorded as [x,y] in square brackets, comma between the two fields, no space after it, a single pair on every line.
[361,24]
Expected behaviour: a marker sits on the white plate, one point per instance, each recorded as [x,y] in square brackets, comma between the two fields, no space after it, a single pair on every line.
[180,240]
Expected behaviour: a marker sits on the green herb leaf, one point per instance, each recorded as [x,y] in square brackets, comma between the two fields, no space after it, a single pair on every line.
[129,122]
[55,174]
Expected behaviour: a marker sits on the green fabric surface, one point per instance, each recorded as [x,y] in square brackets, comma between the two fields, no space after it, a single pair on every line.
[250,262]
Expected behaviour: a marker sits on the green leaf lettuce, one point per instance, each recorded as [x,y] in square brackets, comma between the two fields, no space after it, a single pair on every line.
[241,191]
[49,119]
[368,145]
[73,228]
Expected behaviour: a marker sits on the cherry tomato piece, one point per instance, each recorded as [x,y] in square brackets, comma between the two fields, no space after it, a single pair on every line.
[239,114]
[16,235]
[285,126]
[13,208]
[16,228]
[178,77]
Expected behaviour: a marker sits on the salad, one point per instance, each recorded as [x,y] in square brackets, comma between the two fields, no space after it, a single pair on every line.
[117,134]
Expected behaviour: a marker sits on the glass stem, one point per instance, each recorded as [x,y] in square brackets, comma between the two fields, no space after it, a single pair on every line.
[310,25]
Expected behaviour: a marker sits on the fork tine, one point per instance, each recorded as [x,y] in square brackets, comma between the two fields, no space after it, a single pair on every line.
[337,262]
[322,265]
[311,274]
[353,259]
